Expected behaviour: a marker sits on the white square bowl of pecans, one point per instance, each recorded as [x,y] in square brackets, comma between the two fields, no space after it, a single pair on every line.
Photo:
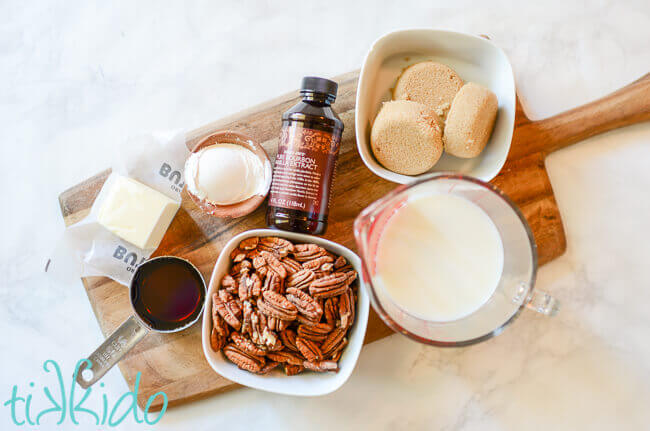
[285,313]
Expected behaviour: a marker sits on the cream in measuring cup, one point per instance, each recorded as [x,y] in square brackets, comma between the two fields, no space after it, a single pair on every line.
[439,257]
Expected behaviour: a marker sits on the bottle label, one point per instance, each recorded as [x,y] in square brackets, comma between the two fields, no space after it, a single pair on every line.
[304,168]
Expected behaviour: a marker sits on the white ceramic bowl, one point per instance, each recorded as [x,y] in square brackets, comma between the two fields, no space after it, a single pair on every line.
[306,383]
[472,57]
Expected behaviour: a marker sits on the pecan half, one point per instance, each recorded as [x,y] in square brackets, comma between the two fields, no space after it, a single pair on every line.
[305,252]
[292,370]
[301,279]
[329,285]
[273,282]
[245,286]
[353,305]
[217,341]
[339,350]
[304,320]
[317,263]
[351,276]
[320,273]
[271,339]
[282,324]
[237,255]
[242,359]
[229,283]
[288,337]
[275,324]
[276,305]
[340,262]
[278,246]
[345,310]
[240,306]
[219,306]
[285,357]
[246,345]
[249,285]
[318,332]
[292,266]
[322,366]
[271,323]
[309,349]
[342,265]
[246,320]
[263,320]
[333,341]
[257,285]
[238,267]
[256,328]
[270,365]
[219,323]
[232,303]
[274,264]
[304,303]
[259,263]
[331,310]
[249,243]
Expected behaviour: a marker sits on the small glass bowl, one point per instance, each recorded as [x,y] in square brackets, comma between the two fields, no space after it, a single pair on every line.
[249,205]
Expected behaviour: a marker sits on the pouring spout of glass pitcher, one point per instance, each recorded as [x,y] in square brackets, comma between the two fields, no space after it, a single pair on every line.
[372,219]
[361,224]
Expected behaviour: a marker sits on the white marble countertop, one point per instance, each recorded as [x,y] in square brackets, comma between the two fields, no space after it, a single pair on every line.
[78,76]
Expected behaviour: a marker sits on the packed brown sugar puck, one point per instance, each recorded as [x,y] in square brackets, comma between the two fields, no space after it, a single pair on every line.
[470,121]
[430,83]
[406,137]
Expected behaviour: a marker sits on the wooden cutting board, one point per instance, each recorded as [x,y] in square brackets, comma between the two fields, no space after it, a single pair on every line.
[174,363]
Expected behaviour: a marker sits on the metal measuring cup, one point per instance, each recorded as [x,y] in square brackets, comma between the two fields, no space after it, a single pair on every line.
[133,329]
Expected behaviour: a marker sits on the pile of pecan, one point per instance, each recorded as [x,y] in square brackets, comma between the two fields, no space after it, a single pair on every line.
[284,304]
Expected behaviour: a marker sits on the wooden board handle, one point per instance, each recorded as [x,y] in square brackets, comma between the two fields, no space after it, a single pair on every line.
[629,105]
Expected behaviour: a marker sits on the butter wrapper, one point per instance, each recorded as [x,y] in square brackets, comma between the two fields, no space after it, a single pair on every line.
[90,248]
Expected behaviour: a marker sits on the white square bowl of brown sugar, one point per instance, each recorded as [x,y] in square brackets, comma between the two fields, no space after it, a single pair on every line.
[306,383]
[473,58]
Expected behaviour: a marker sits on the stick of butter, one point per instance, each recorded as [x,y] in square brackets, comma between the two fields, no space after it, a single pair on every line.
[137,213]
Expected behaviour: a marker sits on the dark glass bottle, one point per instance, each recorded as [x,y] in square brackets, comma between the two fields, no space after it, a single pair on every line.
[304,167]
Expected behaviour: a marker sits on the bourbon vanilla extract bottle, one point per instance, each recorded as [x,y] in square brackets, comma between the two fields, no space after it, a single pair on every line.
[304,167]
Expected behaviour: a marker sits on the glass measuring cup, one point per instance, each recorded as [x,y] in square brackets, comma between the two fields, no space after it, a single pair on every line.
[514,292]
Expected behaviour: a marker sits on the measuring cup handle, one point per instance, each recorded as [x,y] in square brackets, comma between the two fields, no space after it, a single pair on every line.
[543,303]
[111,351]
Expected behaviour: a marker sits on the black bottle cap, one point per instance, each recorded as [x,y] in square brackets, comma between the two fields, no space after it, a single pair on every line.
[313,84]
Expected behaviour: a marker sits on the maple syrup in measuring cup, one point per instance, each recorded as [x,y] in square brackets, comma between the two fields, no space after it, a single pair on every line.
[167,295]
